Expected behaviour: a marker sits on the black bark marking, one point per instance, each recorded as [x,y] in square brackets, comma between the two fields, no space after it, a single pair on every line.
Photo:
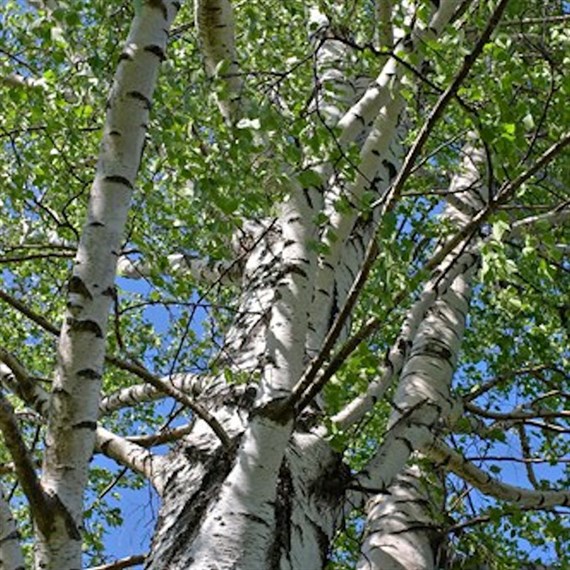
[307,195]
[125,56]
[295,269]
[283,510]
[140,97]
[435,348]
[255,518]
[406,442]
[12,536]
[159,5]
[77,285]
[110,292]
[86,325]
[188,520]
[156,50]
[104,446]
[89,373]
[114,133]
[328,265]
[118,179]
[375,183]
[392,171]
[92,426]
[96,224]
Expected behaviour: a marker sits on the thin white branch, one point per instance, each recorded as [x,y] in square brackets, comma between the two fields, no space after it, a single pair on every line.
[441,453]
[132,456]
[557,216]
[189,384]
[127,562]
[18,80]
[16,378]
[362,114]
[201,270]
[163,436]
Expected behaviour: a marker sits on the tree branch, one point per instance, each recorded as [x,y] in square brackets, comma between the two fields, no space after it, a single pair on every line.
[40,504]
[158,384]
[22,384]
[132,456]
[453,461]
[133,560]
[202,270]
[132,395]
[163,436]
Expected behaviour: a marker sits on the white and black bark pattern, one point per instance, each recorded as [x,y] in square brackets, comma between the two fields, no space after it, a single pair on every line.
[374,122]
[285,511]
[246,479]
[335,87]
[190,384]
[423,400]
[246,340]
[401,528]
[74,406]
[215,25]
[358,120]
[288,325]
[11,557]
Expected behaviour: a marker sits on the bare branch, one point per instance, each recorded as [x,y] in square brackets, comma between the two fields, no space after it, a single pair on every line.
[169,390]
[131,455]
[163,436]
[441,453]
[518,414]
[40,503]
[122,563]
[22,384]
[160,385]
[132,395]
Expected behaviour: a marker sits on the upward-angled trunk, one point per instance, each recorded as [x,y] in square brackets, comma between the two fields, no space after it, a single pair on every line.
[74,404]
[249,507]
[400,530]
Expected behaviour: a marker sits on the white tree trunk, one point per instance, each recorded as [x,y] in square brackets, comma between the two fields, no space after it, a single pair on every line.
[74,406]
[272,502]
[11,556]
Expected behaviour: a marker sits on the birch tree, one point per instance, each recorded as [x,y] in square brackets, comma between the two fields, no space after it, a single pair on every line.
[300,268]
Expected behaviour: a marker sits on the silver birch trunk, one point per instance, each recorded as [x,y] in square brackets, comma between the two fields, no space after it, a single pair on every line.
[74,405]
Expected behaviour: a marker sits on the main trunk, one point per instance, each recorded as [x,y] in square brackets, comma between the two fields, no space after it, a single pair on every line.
[251,506]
